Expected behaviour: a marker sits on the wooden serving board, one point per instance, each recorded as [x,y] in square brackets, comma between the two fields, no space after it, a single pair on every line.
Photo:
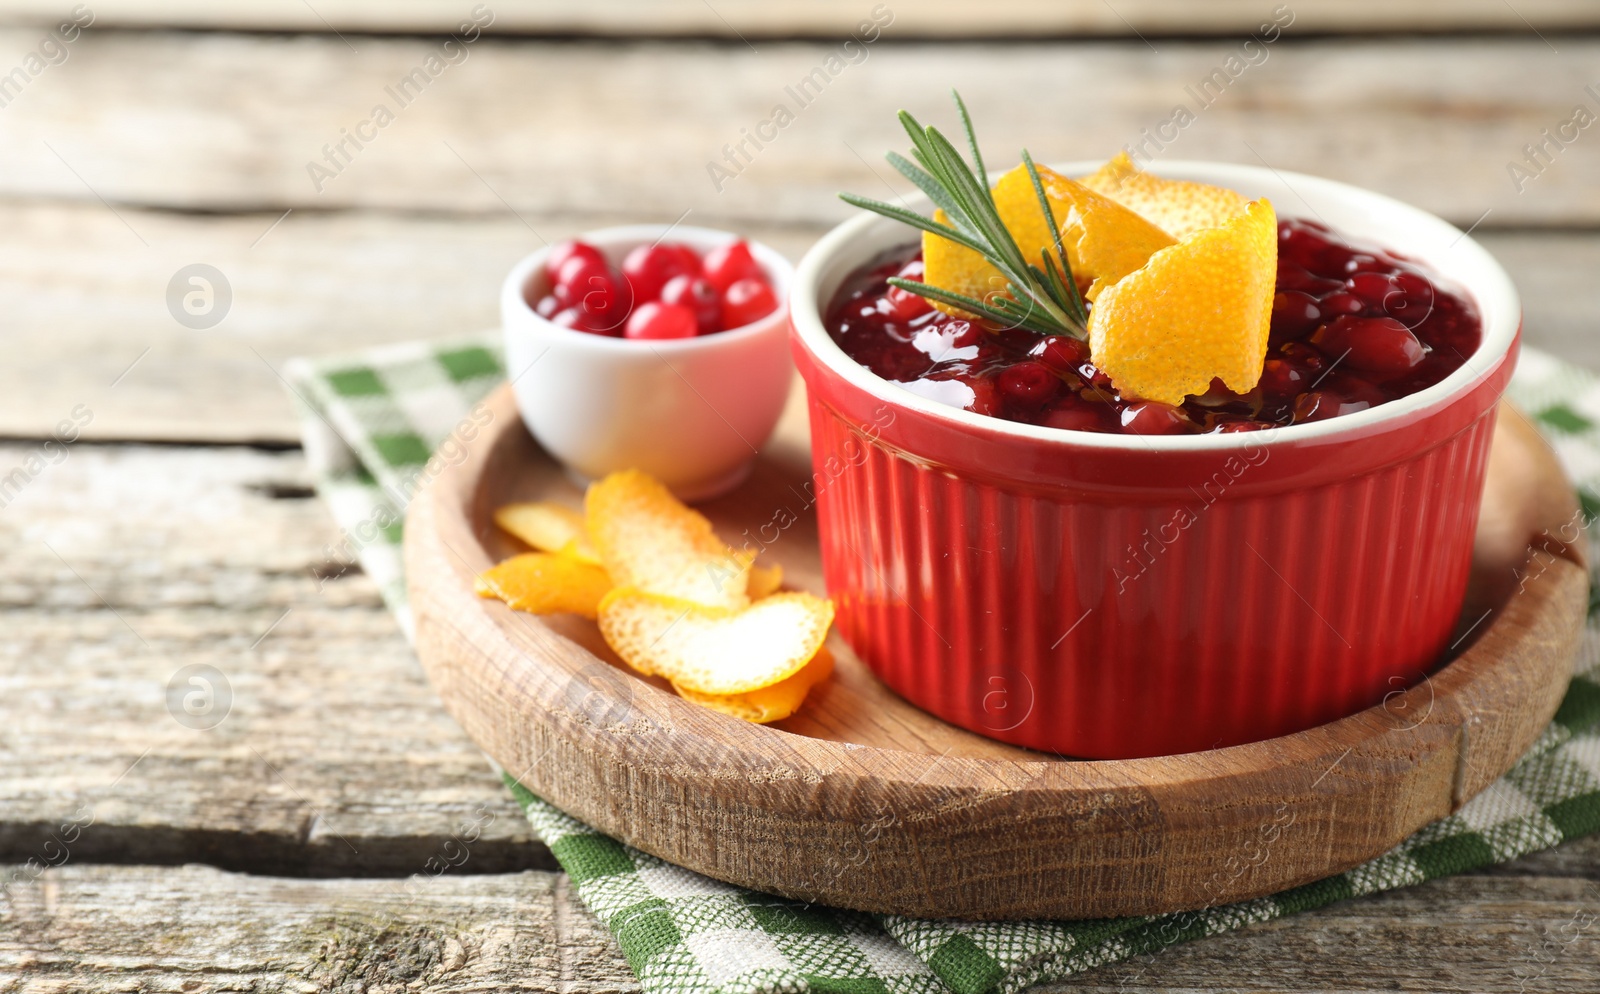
[863,801]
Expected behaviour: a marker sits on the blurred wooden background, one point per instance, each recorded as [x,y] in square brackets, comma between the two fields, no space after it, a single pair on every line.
[182,530]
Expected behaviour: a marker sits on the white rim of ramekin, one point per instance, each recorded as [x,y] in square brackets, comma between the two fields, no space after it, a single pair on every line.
[1489,287]
[624,237]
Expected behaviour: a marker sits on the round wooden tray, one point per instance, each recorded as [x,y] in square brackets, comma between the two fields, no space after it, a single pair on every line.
[863,801]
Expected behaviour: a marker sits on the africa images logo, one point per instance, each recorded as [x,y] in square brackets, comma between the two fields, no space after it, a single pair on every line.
[801,94]
[51,50]
[405,91]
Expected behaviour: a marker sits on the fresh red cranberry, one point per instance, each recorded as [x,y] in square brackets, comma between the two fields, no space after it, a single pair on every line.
[1075,416]
[547,306]
[576,319]
[1030,384]
[1293,277]
[1150,417]
[963,333]
[609,307]
[1061,353]
[697,294]
[597,289]
[1304,354]
[1317,405]
[576,269]
[1413,302]
[727,264]
[985,397]
[1294,315]
[1338,395]
[691,259]
[1414,287]
[1306,357]
[1403,296]
[1382,346]
[1357,390]
[1342,303]
[581,275]
[746,302]
[907,305]
[1358,262]
[655,320]
[649,267]
[1282,379]
[1096,383]
[1301,245]
[957,341]
[1374,288]
[562,251]
[1095,374]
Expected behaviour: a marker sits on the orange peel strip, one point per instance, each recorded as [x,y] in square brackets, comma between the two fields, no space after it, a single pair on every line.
[1197,310]
[1104,240]
[713,651]
[957,268]
[771,703]
[1178,207]
[549,528]
[650,540]
[546,583]
[764,581]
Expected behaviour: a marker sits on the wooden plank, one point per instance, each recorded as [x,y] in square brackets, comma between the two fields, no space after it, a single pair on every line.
[1558,303]
[98,929]
[84,302]
[754,19]
[1476,934]
[85,308]
[85,282]
[1576,859]
[236,122]
[125,565]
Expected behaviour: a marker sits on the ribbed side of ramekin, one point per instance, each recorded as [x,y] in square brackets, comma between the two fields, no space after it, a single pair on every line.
[1109,629]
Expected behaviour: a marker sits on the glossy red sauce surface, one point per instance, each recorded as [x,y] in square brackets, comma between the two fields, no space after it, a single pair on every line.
[1353,327]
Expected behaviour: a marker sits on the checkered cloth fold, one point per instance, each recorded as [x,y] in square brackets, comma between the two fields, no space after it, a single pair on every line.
[371,422]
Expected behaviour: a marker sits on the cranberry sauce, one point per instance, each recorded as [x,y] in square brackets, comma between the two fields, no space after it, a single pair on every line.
[1352,327]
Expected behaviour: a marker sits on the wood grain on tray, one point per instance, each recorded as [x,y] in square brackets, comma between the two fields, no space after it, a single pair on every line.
[963,826]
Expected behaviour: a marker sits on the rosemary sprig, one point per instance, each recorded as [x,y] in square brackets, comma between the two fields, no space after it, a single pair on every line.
[1041,297]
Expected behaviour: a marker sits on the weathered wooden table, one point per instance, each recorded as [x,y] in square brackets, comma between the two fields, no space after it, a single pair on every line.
[275,850]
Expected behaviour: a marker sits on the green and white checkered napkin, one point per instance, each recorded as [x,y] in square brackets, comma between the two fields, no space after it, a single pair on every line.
[373,419]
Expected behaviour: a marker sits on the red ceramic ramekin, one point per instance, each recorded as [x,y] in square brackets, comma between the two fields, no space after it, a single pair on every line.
[1111,596]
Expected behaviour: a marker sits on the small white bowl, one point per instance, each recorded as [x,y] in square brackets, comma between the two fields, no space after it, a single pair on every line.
[691,412]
